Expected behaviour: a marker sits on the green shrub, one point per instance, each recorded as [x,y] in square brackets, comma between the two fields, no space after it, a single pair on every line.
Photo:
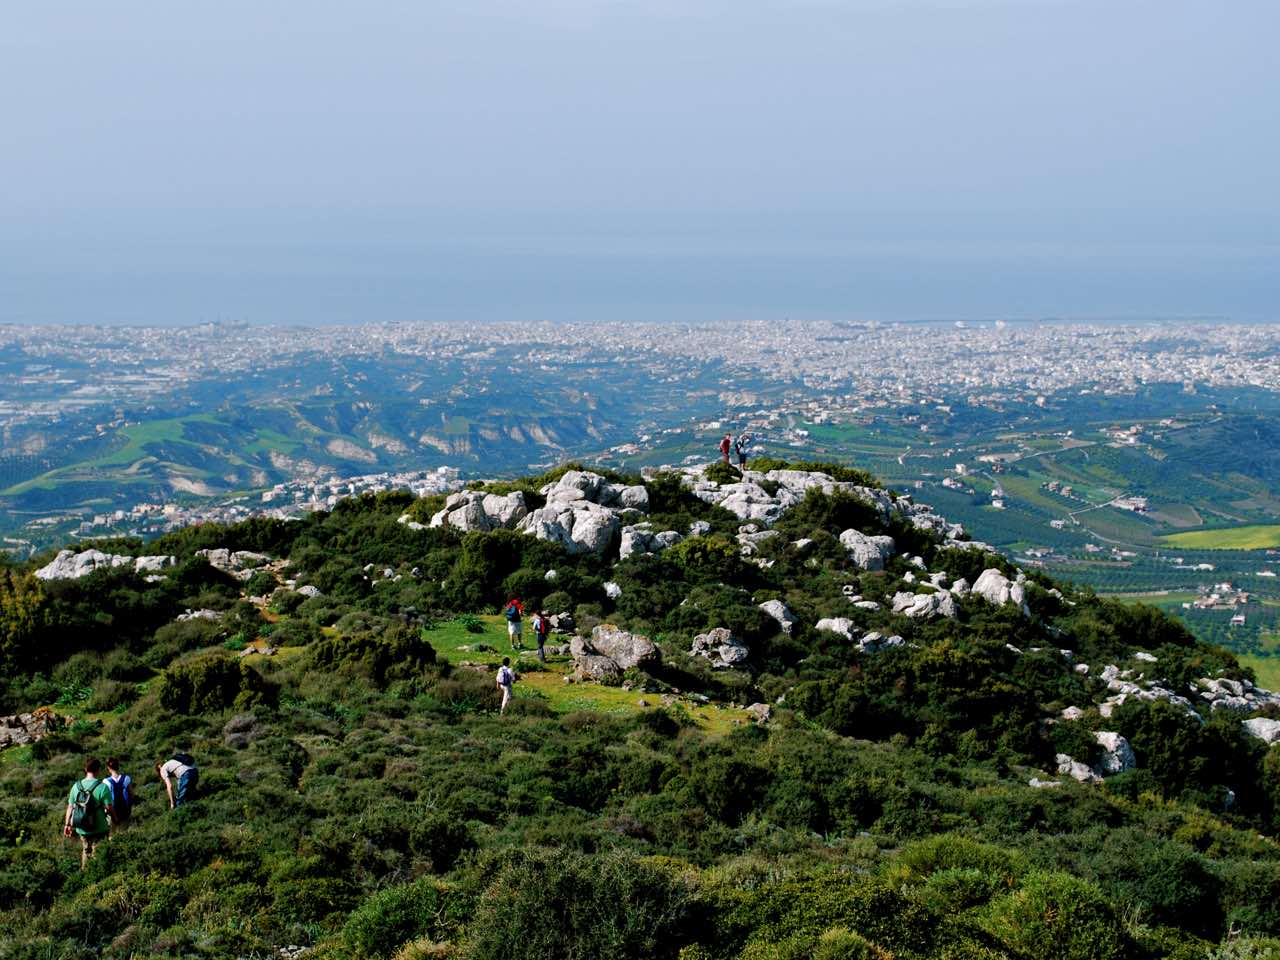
[398,652]
[211,683]
[564,904]
[721,472]
[1055,916]
[396,915]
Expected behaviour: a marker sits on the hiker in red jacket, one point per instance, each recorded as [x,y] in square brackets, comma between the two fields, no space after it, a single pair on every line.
[725,446]
[514,612]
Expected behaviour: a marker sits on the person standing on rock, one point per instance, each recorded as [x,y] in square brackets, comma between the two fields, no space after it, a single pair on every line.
[506,679]
[740,447]
[88,811]
[725,446]
[514,612]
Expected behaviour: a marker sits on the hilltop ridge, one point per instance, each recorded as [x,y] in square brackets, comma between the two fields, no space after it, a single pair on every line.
[786,713]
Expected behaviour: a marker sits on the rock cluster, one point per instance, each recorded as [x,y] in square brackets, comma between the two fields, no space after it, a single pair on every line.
[640,538]
[924,606]
[997,589]
[470,510]
[721,648]
[1238,695]
[875,641]
[1117,757]
[1122,686]
[583,511]
[69,565]
[28,727]
[1263,728]
[750,499]
[241,564]
[610,652]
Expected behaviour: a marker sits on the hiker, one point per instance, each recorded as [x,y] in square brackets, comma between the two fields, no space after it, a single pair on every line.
[514,611]
[88,811]
[181,777]
[740,447]
[541,627]
[506,679]
[121,785]
[725,445]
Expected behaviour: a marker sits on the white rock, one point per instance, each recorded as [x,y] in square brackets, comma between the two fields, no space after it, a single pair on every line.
[997,589]
[1117,755]
[1067,766]
[781,613]
[841,625]
[1145,657]
[1072,713]
[612,590]
[1263,728]
[867,553]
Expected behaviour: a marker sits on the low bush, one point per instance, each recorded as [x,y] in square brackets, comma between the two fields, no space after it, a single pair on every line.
[1055,916]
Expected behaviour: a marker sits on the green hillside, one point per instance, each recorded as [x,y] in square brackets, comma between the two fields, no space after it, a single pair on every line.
[363,797]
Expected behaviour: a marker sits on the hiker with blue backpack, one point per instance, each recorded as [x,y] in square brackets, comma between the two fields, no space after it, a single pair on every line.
[514,612]
[121,785]
[89,811]
[180,777]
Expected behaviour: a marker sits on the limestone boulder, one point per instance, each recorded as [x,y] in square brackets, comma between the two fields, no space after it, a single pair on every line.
[867,552]
[840,625]
[722,649]
[781,613]
[998,590]
[1263,728]
[1117,755]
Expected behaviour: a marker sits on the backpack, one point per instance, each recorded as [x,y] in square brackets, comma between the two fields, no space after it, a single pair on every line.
[122,797]
[84,808]
[513,612]
[185,759]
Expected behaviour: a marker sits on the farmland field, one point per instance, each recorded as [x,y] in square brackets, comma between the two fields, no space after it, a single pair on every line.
[1257,536]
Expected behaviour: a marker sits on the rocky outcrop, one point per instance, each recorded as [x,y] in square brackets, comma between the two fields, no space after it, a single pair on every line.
[751,499]
[1070,767]
[867,553]
[26,728]
[1263,728]
[240,564]
[840,625]
[721,648]
[750,536]
[640,538]
[760,712]
[470,510]
[997,589]
[875,641]
[1117,755]
[924,606]
[780,612]
[69,565]
[1240,696]
[583,512]
[623,651]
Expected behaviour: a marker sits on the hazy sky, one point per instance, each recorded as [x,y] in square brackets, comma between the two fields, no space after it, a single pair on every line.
[319,161]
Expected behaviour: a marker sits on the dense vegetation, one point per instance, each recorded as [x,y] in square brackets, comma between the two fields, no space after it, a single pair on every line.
[363,798]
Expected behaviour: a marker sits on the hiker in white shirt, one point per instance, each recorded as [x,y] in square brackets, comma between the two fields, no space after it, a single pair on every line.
[506,679]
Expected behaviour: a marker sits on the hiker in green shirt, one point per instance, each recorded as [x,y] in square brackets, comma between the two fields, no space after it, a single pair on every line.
[88,810]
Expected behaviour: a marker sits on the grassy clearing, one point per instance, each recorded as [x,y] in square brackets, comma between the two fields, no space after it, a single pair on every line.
[453,642]
[1257,536]
[1266,669]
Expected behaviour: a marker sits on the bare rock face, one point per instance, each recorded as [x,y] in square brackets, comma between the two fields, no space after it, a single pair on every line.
[867,553]
[721,648]
[924,606]
[639,538]
[997,589]
[1070,767]
[240,564]
[583,512]
[1263,728]
[780,612]
[841,625]
[760,712]
[470,510]
[26,728]
[69,565]
[623,651]
[1117,755]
